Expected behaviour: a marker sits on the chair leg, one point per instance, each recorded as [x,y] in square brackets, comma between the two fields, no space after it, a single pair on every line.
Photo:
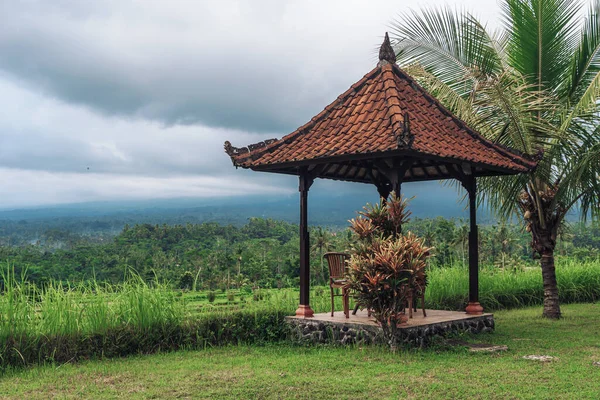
[423,303]
[346,302]
[332,302]
[355,310]
[410,307]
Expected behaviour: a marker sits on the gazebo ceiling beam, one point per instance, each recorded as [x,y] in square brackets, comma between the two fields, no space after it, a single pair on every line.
[427,174]
[337,169]
[407,178]
[317,170]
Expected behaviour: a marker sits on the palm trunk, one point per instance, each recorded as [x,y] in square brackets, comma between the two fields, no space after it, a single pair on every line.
[551,302]
[543,234]
[544,243]
[322,268]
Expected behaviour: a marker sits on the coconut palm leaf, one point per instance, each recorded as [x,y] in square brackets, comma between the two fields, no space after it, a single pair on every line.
[585,63]
[542,36]
[453,46]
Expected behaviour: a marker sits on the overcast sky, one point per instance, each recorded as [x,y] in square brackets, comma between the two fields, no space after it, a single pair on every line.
[117,100]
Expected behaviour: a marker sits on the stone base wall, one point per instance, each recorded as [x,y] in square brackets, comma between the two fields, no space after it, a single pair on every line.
[307,330]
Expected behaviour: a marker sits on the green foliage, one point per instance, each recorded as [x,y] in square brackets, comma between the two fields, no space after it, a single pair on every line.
[215,254]
[578,281]
[211,296]
[63,323]
[386,266]
[69,323]
[186,281]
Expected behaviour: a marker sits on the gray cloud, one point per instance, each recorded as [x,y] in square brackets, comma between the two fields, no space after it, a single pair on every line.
[264,66]
[232,64]
[144,93]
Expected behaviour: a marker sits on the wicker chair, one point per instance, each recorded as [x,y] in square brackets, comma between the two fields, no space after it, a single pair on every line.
[337,279]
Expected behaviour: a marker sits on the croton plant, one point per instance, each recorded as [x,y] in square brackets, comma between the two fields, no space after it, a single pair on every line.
[386,264]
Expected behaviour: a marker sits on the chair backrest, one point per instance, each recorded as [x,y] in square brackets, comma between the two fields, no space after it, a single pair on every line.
[337,264]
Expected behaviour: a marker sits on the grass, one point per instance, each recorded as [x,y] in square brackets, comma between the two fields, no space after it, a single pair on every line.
[69,322]
[63,322]
[285,371]
[578,281]
[448,288]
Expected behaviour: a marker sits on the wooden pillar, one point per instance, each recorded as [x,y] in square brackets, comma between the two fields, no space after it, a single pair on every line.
[473,307]
[304,309]
[384,191]
[398,187]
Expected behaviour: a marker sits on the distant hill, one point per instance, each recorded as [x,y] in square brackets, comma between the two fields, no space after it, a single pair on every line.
[329,205]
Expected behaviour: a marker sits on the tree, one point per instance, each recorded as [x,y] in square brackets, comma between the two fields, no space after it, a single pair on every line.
[534,86]
[322,243]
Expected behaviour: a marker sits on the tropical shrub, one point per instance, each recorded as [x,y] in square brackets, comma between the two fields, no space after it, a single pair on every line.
[386,265]
[186,281]
[211,296]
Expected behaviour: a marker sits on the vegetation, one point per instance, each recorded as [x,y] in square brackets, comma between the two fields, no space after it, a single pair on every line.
[386,266]
[64,323]
[261,254]
[533,86]
[285,371]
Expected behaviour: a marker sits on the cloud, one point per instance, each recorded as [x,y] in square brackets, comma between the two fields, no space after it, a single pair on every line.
[144,93]
[265,66]
[23,188]
[54,136]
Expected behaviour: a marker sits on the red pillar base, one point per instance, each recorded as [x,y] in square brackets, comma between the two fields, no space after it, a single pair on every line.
[474,309]
[304,311]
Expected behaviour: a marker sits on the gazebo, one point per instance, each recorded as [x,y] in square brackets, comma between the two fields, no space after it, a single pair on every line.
[384,130]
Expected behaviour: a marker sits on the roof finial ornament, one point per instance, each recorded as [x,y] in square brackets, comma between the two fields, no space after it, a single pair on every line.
[386,52]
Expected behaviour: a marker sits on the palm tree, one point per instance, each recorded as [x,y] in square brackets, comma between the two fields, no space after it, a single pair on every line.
[461,239]
[533,85]
[322,243]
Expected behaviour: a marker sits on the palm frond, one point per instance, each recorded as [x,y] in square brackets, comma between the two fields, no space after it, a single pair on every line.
[580,184]
[513,109]
[543,37]
[585,63]
[453,46]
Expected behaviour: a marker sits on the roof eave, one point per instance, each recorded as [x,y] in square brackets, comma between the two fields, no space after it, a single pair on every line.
[381,155]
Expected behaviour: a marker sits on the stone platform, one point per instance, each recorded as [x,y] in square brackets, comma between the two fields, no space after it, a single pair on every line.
[360,328]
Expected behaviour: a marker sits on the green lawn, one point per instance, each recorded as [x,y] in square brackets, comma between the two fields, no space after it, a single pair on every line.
[285,371]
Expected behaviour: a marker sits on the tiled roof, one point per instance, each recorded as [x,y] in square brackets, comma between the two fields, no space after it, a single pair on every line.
[385,111]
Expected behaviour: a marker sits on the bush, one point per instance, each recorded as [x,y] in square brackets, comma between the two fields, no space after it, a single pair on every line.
[257,327]
[386,267]
[258,295]
[61,323]
[211,296]
[186,281]
[230,297]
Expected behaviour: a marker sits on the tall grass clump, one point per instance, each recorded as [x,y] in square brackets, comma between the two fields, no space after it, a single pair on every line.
[578,281]
[63,321]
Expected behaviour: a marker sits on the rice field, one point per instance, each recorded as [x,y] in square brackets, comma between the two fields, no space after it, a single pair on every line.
[64,322]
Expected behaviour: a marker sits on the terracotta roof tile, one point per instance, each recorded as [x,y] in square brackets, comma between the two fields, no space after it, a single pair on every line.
[368,118]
